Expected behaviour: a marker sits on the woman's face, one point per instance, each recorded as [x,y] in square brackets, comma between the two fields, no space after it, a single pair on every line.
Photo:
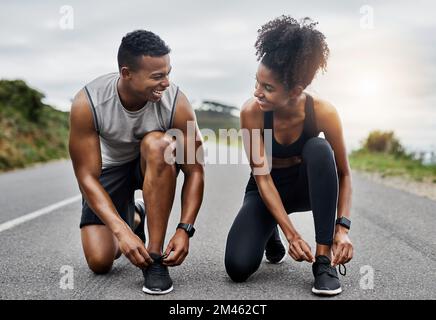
[270,93]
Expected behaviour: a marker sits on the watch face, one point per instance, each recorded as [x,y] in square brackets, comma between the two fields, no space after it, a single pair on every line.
[189,228]
[344,222]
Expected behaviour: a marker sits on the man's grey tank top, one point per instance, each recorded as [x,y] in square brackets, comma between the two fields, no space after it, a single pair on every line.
[121,130]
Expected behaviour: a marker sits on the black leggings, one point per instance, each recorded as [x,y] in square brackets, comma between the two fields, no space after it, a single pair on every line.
[310,185]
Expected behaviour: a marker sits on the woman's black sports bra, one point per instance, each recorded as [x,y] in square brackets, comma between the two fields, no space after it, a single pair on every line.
[310,130]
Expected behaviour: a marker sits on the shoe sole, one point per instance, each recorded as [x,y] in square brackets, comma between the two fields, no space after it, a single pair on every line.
[153,292]
[327,292]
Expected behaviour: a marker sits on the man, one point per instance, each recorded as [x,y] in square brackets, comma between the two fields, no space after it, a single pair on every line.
[118,144]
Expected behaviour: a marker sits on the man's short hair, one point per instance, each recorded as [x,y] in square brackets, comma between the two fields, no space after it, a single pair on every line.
[140,43]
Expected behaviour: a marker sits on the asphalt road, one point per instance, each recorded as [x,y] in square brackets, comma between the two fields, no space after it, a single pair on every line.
[393,234]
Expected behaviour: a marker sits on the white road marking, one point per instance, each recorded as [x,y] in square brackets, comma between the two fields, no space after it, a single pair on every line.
[35,214]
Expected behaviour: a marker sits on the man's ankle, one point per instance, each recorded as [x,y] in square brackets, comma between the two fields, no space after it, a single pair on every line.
[154,250]
[323,250]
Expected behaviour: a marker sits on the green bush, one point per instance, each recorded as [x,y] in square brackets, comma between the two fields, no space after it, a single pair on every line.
[382,152]
[383,142]
[15,94]
[29,130]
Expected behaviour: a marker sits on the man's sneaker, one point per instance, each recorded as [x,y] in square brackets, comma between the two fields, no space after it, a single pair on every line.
[157,279]
[139,230]
[275,251]
[326,277]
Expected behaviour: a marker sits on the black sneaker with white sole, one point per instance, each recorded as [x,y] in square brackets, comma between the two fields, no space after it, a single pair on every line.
[326,277]
[157,279]
[140,228]
[275,251]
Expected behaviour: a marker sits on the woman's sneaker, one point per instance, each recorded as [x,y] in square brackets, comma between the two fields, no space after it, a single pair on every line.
[326,277]
[157,279]
[275,251]
[140,228]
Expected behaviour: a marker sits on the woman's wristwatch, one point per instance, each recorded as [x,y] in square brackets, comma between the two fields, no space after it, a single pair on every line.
[346,223]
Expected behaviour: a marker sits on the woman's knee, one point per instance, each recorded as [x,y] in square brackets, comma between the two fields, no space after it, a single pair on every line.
[240,261]
[317,150]
[237,269]
[247,238]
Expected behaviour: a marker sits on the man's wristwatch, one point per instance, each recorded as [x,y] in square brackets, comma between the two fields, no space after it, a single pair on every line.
[189,228]
[346,223]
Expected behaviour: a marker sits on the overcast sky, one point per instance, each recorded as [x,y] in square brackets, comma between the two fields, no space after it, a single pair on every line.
[380,75]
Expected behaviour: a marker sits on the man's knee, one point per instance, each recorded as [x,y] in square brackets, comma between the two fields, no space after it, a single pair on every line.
[99,263]
[157,148]
[99,247]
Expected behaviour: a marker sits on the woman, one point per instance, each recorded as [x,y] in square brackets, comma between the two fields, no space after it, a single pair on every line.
[308,172]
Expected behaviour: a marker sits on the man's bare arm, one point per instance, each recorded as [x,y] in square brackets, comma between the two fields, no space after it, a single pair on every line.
[193,186]
[84,146]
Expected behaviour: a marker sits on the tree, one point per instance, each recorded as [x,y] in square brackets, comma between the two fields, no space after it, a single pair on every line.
[15,94]
[209,105]
[380,141]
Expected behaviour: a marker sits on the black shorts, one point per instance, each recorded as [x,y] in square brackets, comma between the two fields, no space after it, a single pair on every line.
[120,182]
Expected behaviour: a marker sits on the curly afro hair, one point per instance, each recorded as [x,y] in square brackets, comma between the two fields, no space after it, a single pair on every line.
[140,43]
[293,50]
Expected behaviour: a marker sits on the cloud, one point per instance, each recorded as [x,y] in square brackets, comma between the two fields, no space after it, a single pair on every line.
[213,53]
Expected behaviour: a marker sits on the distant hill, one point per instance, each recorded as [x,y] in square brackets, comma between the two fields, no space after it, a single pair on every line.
[215,115]
[30,131]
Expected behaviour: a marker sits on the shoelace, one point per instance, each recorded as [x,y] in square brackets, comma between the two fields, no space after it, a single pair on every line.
[345,270]
[327,268]
[156,268]
[164,256]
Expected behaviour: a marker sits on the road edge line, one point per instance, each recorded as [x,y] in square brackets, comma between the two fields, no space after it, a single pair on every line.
[35,214]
